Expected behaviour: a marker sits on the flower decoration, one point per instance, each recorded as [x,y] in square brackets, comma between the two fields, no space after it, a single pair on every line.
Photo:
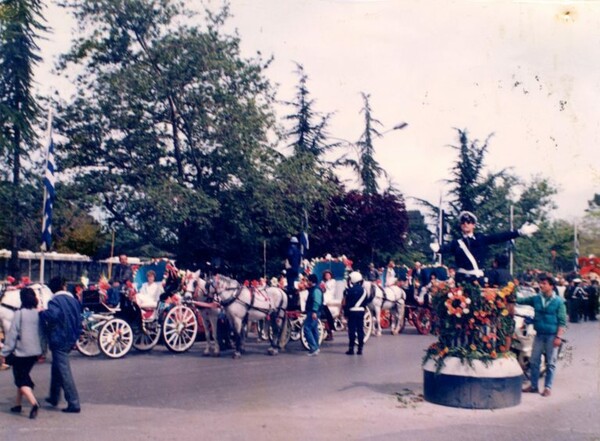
[457,303]
[471,323]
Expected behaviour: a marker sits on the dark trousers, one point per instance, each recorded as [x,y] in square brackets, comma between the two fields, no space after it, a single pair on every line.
[326,313]
[356,329]
[62,378]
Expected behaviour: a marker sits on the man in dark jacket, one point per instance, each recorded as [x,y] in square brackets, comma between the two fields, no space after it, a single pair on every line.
[62,322]
[550,321]
[499,276]
[121,274]
[292,271]
[470,249]
[355,300]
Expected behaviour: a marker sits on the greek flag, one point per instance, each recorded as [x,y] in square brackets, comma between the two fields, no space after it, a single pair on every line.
[304,243]
[48,197]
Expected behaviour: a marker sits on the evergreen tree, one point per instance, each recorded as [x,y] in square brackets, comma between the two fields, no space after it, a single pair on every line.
[367,166]
[21,23]
[308,134]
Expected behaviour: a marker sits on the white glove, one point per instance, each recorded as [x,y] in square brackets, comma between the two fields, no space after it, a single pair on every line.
[435,247]
[528,229]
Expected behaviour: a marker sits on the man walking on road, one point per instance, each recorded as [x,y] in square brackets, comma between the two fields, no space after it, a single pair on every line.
[549,322]
[62,322]
[313,307]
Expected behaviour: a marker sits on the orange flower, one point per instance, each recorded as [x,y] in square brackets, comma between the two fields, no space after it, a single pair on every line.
[493,354]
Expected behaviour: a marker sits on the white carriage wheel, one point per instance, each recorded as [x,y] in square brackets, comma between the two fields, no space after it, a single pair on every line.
[367,324]
[321,329]
[147,337]
[87,344]
[116,338]
[180,328]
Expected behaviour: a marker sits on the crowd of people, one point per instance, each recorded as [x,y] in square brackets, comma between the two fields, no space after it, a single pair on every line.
[59,324]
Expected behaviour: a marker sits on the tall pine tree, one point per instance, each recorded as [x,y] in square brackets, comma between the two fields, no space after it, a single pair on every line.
[21,23]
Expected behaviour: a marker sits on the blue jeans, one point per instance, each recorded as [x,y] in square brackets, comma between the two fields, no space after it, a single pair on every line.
[311,332]
[543,344]
[62,378]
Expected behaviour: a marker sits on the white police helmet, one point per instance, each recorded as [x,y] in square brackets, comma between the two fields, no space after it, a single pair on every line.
[294,240]
[355,277]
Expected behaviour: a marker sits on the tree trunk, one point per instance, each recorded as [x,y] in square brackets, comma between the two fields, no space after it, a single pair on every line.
[14,267]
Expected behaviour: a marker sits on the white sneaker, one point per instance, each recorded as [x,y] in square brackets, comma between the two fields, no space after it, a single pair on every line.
[313,354]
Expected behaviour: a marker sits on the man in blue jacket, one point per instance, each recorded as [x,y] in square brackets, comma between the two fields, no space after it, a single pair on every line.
[314,301]
[62,322]
[550,322]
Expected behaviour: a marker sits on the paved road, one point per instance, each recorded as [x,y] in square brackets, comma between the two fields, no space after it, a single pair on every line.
[161,396]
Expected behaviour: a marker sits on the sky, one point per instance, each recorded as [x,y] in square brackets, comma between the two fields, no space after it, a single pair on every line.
[527,72]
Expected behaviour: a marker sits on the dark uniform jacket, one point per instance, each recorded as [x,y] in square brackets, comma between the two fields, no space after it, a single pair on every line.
[477,245]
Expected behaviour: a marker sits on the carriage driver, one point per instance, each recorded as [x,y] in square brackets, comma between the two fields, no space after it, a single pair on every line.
[355,301]
[470,249]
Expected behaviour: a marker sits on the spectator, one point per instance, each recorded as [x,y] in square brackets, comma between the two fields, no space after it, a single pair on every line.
[23,344]
[592,294]
[313,308]
[550,321]
[499,276]
[62,322]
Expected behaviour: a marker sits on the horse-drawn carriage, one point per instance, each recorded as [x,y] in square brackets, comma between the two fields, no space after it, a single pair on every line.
[333,293]
[114,329]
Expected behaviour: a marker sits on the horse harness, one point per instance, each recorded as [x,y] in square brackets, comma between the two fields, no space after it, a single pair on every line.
[248,306]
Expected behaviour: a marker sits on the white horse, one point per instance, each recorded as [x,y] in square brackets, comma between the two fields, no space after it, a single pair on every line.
[10,301]
[243,304]
[196,287]
[390,298]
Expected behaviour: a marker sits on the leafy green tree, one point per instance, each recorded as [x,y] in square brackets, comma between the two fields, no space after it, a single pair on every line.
[490,195]
[169,129]
[589,229]
[365,227]
[416,246]
[21,23]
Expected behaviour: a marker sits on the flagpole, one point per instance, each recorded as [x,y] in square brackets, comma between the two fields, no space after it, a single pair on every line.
[43,247]
[440,229]
[511,254]
[575,248]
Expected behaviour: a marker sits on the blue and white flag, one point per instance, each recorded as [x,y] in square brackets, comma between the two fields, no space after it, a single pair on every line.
[48,197]
[304,244]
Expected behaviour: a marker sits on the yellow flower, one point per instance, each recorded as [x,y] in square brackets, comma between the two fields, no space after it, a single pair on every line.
[505,312]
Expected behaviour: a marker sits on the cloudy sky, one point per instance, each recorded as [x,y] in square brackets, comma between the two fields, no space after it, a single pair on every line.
[528,72]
